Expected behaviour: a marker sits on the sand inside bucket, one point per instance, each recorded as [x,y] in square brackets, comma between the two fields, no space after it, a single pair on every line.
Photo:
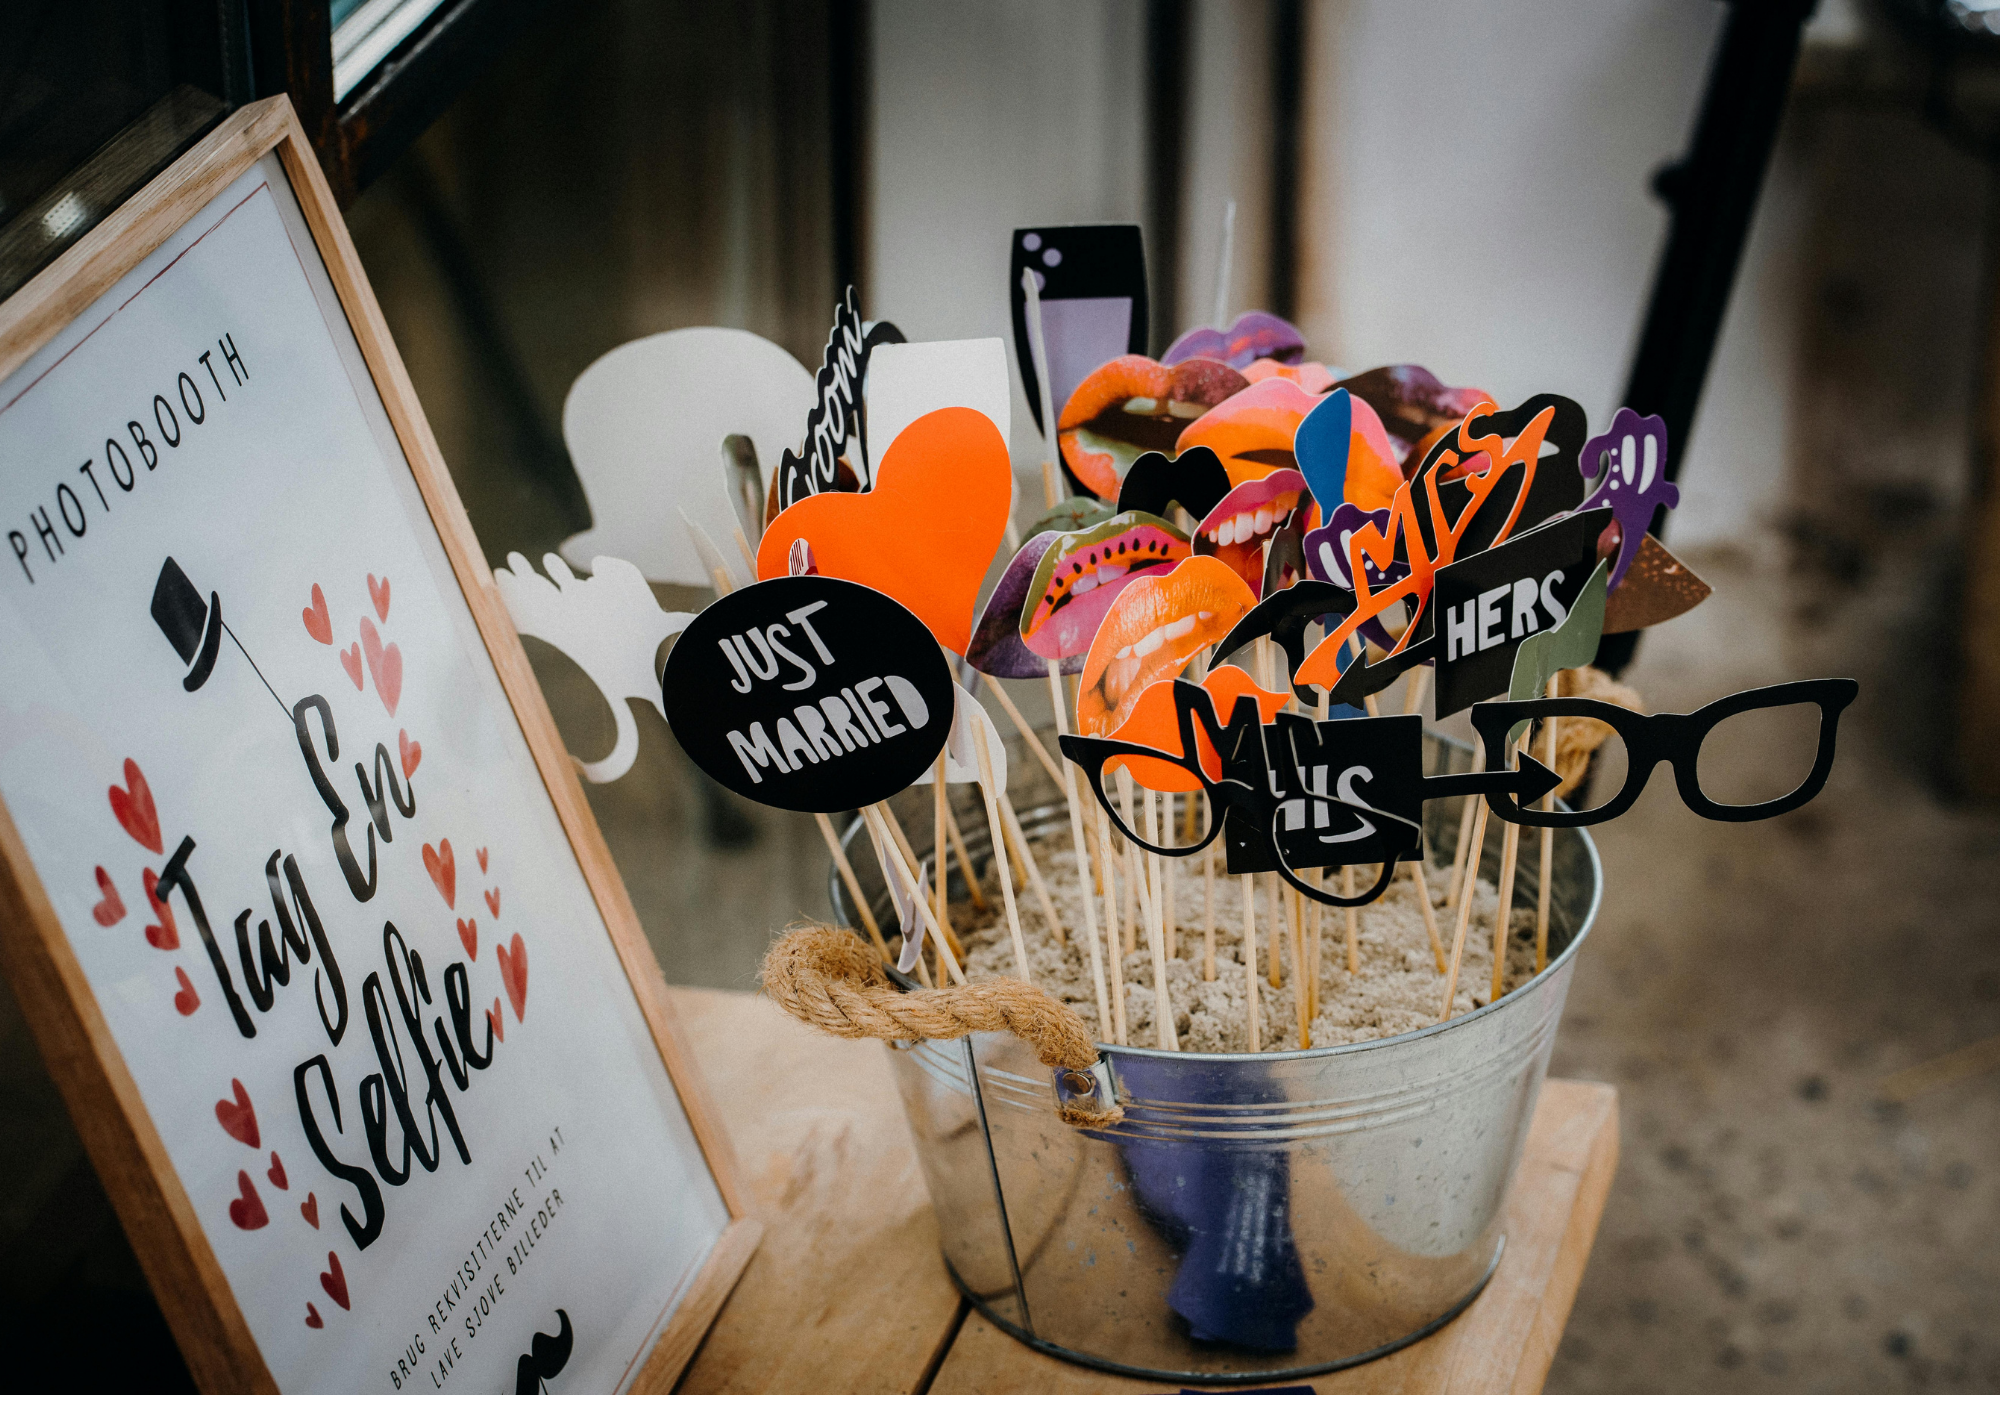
[1398,987]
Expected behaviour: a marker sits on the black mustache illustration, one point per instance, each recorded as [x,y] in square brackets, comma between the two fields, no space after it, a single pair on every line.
[547,1354]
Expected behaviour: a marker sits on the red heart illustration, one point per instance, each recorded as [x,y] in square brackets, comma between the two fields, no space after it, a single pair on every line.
[239,1119]
[162,935]
[413,753]
[514,973]
[468,937]
[493,901]
[309,1210]
[350,659]
[443,870]
[312,1311]
[318,623]
[378,594]
[482,859]
[185,1001]
[110,908]
[493,1015]
[276,1172]
[134,807]
[941,496]
[385,665]
[247,1212]
[335,1280]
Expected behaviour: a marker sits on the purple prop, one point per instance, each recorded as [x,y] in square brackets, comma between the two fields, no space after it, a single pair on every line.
[1253,336]
[996,647]
[1326,548]
[1632,457]
[1327,559]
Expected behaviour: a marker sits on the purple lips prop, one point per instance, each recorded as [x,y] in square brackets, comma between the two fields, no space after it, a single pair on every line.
[1253,336]
[996,647]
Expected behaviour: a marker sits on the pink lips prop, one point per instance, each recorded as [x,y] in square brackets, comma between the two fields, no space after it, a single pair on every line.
[1081,574]
[1235,532]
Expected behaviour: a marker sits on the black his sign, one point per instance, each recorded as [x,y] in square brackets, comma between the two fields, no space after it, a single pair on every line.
[1484,605]
[809,693]
[1316,772]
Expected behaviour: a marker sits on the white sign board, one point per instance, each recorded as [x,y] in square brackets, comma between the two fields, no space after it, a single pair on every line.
[263,765]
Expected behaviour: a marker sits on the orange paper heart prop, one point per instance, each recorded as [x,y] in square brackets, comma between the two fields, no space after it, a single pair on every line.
[925,534]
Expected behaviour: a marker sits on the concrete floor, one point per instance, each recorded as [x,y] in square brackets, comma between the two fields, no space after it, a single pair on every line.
[1777,1223]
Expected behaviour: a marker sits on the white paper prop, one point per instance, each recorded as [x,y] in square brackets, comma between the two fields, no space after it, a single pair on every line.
[905,381]
[609,625]
[907,917]
[644,425]
[961,764]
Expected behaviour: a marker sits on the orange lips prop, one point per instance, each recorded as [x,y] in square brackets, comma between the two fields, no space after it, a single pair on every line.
[1132,406]
[1152,723]
[924,534]
[1157,624]
[1253,431]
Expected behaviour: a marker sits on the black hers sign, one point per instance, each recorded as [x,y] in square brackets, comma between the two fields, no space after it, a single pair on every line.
[809,694]
[1484,605]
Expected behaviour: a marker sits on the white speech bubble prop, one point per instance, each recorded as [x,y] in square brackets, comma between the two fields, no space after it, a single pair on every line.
[644,425]
[609,625]
[961,756]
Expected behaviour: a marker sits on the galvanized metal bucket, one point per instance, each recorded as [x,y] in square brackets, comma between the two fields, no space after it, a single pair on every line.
[1253,1217]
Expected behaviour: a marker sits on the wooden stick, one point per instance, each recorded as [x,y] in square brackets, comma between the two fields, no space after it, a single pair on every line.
[1250,956]
[1413,689]
[1359,647]
[846,869]
[1301,988]
[1084,863]
[1430,919]
[1353,922]
[1020,845]
[1465,831]
[1208,897]
[1165,1034]
[743,548]
[884,840]
[1548,847]
[1277,972]
[940,874]
[1313,935]
[1111,928]
[972,889]
[895,828]
[1079,804]
[1028,733]
[1171,867]
[1038,356]
[1135,884]
[998,834]
[1464,907]
[1510,844]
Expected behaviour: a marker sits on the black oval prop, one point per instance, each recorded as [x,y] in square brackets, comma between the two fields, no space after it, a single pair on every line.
[809,694]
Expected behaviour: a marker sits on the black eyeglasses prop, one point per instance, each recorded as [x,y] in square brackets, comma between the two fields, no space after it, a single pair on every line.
[1297,794]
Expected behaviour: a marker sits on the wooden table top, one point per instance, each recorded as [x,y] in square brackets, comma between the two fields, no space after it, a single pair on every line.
[848,1293]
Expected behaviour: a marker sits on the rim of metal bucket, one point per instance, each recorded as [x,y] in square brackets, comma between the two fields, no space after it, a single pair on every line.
[1038,815]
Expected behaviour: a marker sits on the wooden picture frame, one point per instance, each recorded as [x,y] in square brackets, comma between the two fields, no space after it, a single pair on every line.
[98,1086]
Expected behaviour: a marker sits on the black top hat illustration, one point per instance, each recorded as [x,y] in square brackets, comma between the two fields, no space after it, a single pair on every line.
[194,628]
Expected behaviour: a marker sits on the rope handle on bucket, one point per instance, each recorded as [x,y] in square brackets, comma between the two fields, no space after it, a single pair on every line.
[830,979]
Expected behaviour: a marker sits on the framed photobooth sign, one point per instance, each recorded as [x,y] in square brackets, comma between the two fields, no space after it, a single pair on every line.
[298,888]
